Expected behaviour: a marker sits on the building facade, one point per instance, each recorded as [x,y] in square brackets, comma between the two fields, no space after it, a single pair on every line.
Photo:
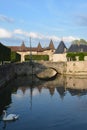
[78,50]
[39,50]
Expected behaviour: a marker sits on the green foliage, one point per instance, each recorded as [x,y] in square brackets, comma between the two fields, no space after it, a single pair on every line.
[5,53]
[15,57]
[81,41]
[75,42]
[81,56]
[37,57]
[72,55]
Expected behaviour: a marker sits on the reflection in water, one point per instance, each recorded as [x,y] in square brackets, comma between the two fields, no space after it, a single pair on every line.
[24,87]
[74,85]
[62,84]
[5,98]
[4,126]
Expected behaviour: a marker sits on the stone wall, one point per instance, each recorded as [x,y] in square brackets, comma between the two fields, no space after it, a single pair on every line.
[59,66]
[69,68]
[59,57]
[23,69]
[47,52]
[6,74]
[76,67]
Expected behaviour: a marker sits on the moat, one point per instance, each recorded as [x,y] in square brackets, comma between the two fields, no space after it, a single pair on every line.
[45,105]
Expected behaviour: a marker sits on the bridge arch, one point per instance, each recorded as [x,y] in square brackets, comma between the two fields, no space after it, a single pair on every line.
[52,77]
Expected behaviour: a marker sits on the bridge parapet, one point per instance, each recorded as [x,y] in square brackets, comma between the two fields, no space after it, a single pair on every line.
[59,66]
[26,68]
[71,68]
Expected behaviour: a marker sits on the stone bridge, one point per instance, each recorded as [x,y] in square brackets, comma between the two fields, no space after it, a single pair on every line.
[71,68]
[26,67]
[59,66]
[8,72]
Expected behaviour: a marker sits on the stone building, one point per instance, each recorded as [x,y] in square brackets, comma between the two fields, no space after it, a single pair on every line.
[39,50]
[60,53]
[62,50]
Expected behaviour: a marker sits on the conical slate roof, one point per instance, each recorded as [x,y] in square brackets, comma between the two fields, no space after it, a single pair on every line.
[51,45]
[23,48]
[39,47]
[61,48]
[23,45]
[78,48]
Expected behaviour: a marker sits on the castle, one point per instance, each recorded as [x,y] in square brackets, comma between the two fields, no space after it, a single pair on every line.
[39,50]
[55,55]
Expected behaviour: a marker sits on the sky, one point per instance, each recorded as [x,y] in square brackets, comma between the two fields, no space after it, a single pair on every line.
[42,20]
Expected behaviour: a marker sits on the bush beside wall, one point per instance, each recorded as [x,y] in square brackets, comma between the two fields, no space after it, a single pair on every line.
[73,55]
[37,57]
[5,53]
[15,57]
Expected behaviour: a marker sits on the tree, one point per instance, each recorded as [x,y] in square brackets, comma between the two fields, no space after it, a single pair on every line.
[81,41]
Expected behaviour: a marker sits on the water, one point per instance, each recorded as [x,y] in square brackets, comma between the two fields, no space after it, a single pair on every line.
[53,105]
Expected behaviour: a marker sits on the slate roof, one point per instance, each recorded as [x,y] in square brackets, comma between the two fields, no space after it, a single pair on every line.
[39,47]
[78,48]
[23,48]
[51,45]
[61,48]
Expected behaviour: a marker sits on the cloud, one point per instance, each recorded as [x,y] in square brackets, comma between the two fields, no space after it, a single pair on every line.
[36,35]
[5,34]
[81,20]
[18,31]
[70,38]
[39,36]
[16,36]
[21,32]
[29,34]
[4,18]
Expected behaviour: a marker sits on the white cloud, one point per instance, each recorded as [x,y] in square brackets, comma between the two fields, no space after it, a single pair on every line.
[6,19]
[53,37]
[21,34]
[35,35]
[18,31]
[39,36]
[69,38]
[29,34]
[5,34]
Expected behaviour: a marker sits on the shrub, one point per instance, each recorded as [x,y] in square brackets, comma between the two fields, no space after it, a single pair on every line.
[15,57]
[37,57]
[72,55]
[5,53]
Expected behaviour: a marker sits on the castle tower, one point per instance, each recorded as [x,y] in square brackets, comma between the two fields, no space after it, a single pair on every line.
[39,47]
[23,48]
[51,45]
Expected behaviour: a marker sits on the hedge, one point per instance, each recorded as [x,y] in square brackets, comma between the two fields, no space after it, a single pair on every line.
[5,53]
[81,55]
[37,57]
[15,57]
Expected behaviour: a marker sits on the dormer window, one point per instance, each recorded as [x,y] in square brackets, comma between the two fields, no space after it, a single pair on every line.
[81,50]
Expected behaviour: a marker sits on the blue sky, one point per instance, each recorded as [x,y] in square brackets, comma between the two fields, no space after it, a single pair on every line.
[42,20]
